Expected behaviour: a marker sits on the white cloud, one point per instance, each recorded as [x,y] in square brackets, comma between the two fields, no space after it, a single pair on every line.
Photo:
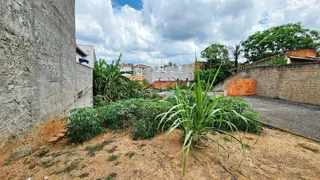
[169,30]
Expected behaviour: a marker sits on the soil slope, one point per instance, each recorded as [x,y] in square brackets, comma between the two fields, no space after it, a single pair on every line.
[276,155]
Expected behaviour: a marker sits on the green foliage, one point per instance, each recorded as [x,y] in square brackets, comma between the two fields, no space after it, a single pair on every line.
[98,147]
[146,126]
[111,176]
[236,53]
[207,76]
[215,55]
[113,158]
[242,108]
[278,60]
[308,147]
[83,125]
[280,39]
[130,154]
[139,114]
[109,85]
[197,116]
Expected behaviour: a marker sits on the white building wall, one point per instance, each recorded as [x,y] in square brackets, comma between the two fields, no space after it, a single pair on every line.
[91,55]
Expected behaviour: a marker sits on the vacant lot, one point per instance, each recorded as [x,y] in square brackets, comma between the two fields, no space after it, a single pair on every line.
[276,155]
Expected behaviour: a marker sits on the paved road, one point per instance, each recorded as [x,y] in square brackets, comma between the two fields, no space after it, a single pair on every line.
[297,118]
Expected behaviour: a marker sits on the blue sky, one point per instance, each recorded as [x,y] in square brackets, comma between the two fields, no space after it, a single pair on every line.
[157,31]
[136,4]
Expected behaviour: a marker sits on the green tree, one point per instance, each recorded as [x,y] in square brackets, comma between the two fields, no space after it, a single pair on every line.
[280,39]
[236,53]
[215,55]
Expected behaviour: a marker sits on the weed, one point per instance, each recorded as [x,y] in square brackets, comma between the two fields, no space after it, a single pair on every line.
[56,154]
[308,147]
[83,125]
[226,139]
[113,158]
[98,147]
[49,163]
[7,162]
[84,175]
[32,166]
[42,153]
[112,149]
[130,154]
[73,153]
[197,113]
[245,146]
[111,176]
[68,169]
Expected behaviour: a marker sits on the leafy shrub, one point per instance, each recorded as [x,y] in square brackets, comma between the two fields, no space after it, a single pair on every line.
[140,114]
[242,110]
[279,60]
[83,125]
[109,85]
[114,116]
[147,125]
[231,107]
[198,114]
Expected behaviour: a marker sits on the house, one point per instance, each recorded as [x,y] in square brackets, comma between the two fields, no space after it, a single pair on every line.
[291,57]
[81,56]
[89,51]
[140,69]
[126,69]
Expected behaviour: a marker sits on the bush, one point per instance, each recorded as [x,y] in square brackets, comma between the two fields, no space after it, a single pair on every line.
[140,114]
[279,60]
[241,107]
[146,126]
[83,125]
[198,113]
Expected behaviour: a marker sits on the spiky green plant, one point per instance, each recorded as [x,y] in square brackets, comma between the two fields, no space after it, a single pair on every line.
[197,118]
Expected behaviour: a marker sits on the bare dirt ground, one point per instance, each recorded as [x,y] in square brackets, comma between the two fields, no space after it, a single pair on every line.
[276,155]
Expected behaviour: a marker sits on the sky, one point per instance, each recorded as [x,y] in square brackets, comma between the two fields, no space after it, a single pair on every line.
[155,32]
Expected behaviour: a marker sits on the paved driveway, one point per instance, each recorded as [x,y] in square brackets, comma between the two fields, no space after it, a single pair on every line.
[294,117]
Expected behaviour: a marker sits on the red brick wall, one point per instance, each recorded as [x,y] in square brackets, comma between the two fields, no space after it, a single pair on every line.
[241,87]
[303,53]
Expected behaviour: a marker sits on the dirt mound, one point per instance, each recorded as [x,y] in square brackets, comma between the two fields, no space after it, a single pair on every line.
[276,155]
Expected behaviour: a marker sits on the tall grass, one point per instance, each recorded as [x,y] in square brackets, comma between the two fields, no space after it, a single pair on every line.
[197,118]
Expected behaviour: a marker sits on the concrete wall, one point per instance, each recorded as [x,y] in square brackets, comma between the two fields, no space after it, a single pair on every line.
[172,73]
[294,82]
[39,77]
[166,84]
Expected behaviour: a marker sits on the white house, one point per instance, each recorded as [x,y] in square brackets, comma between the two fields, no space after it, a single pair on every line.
[89,53]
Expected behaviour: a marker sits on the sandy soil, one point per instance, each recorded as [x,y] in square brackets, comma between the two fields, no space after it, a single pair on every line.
[276,155]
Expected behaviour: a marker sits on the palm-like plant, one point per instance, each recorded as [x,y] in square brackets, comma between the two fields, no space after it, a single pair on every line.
[108,80]
[197,118]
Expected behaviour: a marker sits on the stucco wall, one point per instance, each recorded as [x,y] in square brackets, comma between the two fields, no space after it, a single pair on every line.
[39,77]
[294,82]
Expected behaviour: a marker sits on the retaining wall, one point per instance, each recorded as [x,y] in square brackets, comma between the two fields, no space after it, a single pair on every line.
[294,82]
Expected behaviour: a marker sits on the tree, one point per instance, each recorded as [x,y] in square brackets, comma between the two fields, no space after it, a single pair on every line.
[280,39]
[215,55]
[236,52]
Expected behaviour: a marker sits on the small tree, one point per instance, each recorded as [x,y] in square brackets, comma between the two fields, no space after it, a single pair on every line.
[236,53]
